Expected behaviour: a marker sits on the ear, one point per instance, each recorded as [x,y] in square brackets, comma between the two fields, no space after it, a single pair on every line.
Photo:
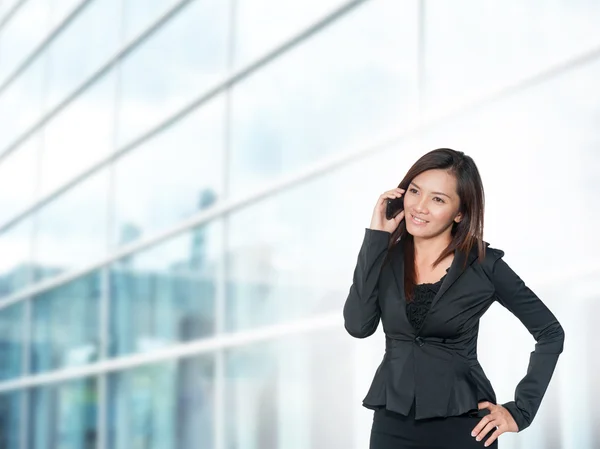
[458,217]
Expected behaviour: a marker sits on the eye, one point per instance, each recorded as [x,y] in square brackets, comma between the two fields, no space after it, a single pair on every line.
[413,190]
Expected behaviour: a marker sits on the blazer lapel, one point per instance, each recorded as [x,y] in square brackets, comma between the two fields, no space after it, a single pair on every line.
[397,264]
[456,269]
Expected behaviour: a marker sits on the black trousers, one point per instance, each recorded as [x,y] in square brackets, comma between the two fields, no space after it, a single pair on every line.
[391,430]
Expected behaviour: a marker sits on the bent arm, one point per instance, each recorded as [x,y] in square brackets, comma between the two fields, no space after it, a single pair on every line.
[513,294]
[361,310]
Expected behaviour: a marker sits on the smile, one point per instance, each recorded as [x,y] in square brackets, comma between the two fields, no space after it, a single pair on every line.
[418,221]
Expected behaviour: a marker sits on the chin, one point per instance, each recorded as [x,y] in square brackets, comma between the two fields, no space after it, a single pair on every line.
[418,232]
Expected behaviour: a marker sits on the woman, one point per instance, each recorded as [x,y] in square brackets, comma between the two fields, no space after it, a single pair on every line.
[428,276]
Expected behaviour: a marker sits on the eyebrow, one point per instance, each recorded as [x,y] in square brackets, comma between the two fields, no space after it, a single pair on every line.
[436,193]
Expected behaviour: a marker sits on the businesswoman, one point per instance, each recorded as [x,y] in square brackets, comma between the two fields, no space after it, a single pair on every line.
[429,277]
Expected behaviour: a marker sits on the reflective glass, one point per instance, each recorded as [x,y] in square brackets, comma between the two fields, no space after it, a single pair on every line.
[165,294]
[65,327]
[171,176]
[72,229]
[138,15]
[64,416]
[180,61]
[256,32]
[6,6]
[79,136]
[11,340]
[485,44]
[334,93]
[22,34]
[80,49]
[165,406]
[21,104]
[10,420]
[538,157]
[290,393]
[15,264]
[18,179]
[61,9]
[277,268]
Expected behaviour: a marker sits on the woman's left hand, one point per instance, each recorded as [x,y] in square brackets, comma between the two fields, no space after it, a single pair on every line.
[498,418]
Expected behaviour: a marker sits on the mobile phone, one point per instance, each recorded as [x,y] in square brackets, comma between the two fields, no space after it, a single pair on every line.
[393,207]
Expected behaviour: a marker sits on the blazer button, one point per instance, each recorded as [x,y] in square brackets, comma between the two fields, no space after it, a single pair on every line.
[419,341]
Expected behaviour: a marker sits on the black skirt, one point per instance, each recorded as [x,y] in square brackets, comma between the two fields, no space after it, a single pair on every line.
[392,430]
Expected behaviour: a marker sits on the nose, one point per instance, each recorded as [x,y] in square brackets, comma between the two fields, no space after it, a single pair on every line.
[421,206]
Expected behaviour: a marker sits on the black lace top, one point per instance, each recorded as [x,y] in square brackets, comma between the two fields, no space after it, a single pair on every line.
[423,297]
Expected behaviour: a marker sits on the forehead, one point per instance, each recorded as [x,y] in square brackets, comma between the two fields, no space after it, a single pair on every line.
[436,181]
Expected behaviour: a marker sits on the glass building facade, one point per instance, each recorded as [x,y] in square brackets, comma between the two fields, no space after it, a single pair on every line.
[184,186]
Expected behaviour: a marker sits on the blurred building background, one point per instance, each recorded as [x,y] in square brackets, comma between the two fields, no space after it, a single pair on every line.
[184,187]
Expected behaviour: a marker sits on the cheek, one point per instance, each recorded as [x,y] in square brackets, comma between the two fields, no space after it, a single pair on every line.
[447,216]
[442,215]
[439,214]
[409,202]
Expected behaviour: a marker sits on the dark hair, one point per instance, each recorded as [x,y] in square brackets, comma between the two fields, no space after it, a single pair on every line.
[466,233]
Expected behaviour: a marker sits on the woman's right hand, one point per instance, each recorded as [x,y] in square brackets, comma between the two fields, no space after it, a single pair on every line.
[379,221]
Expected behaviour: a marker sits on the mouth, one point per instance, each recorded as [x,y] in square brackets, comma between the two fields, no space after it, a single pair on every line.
[418,221]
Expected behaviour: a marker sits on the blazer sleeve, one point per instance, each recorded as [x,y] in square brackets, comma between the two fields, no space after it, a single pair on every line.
[361,309]
[512,293]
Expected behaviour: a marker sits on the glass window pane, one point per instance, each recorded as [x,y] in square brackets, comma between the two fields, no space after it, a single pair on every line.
[11,341]
[256,33]
[166,294]
[485,44]
[15,263]
[21,104]
[65,328]
[18,179]
[72,229]
[61,9]
[542,165]
[64,416]
[183,59]
[290,393]
[335,92]
[25,30]
[79,136]
[6,6]
[166,406]
[140,14]
[10,420]
[277,270]
[172,176]
[81,49]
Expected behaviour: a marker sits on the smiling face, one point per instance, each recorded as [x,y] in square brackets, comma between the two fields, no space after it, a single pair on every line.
[432,197]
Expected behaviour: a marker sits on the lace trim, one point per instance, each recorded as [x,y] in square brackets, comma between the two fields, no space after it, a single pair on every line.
[416,310]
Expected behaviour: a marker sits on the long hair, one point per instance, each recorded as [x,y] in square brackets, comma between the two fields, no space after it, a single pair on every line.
[466,233]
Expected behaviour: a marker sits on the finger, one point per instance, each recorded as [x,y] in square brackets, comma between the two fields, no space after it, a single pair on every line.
[479,427]
[382,199]
[487,429]
[397,190]
[399,217]
[484,404]
[393,194]
[493,438]
[382,203]
[384,196]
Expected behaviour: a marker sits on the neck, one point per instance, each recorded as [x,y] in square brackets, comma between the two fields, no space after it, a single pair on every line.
[428,250]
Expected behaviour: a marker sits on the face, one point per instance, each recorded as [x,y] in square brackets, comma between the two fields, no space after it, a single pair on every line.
[432,197]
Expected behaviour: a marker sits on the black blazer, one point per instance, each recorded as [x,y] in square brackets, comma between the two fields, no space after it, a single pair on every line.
[437,364]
